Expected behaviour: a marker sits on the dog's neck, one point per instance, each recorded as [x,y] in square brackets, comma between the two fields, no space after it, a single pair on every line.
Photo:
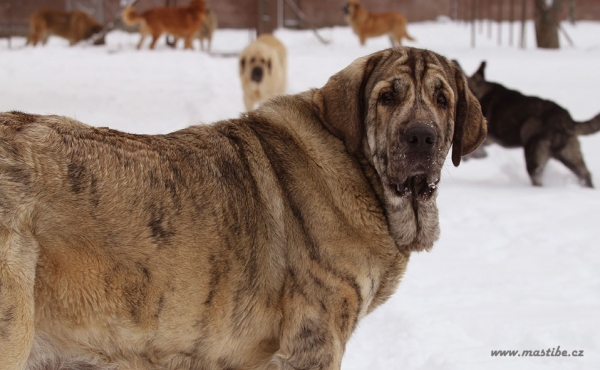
[413,223]
[362,13]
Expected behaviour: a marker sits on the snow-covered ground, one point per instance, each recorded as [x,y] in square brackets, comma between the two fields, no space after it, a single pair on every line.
[516,267]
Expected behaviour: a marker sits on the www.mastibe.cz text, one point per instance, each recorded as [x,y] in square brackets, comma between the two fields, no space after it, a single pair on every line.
[549,352]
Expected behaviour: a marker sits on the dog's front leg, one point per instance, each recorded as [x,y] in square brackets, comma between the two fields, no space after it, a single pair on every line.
[18,260]
[317,322]
[308,344]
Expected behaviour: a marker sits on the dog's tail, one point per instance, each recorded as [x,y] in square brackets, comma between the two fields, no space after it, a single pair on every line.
[588,127]
[131,17]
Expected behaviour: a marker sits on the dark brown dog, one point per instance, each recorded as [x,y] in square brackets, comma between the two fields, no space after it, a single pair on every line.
[366,24]
[543,128]
[182,22]
[252,243]
[73,26]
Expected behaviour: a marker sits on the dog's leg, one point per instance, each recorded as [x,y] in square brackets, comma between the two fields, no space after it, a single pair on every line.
[18,260]
[537,154]
[570,155]
[139,45]
[308,342]
[363,40]
[154,40]
[316,323]
[188,42]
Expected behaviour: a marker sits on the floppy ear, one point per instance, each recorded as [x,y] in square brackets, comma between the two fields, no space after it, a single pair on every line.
[341,104]
[242,65]
[470,128]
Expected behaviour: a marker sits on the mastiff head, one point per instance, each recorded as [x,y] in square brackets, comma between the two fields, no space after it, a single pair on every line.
[401,110]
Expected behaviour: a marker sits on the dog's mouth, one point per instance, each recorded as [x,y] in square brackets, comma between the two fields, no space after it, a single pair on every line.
[417,185]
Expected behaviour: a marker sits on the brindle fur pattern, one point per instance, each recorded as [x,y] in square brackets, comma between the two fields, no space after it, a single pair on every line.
[543,128]
[251,243]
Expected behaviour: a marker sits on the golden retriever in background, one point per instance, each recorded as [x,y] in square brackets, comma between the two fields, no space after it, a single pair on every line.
[263,70]
[74,26]
[366,24]
[257,242]
[179,22]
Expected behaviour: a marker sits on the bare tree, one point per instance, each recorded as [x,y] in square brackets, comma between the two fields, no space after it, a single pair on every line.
[547,14]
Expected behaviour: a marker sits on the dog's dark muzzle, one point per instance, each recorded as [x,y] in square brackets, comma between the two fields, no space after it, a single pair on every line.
[256,74]
[421,139]
[414,169]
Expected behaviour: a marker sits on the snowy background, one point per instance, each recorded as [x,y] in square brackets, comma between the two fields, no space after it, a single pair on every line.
[516,268]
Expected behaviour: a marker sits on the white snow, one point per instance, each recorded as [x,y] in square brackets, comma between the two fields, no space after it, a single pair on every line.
[516,267]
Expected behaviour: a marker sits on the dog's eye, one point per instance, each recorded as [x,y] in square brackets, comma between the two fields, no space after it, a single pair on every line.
[442,100]
[262,60]
[252,60]
[387,98]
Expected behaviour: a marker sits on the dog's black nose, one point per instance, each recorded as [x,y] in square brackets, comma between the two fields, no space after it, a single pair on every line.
[257,74]
[421,137]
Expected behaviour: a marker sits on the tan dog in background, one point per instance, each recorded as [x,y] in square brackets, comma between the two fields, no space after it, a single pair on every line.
[73,26]
[182,22]
[252,243]
[366,24]
[263,70]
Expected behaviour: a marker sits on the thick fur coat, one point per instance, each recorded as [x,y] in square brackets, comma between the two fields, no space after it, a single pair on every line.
[252,243]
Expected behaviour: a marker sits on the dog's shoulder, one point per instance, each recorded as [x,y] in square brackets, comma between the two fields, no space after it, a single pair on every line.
[504,98]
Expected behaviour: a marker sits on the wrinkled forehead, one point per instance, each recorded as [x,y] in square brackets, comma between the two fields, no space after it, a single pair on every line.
[421,68]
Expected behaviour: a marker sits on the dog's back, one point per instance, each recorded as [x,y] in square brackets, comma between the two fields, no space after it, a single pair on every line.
[508,111]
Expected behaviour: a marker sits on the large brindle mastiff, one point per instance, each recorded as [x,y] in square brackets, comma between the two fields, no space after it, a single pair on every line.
[251,243]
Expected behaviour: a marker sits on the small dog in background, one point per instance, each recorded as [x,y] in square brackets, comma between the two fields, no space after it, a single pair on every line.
[263,70]
[366,24]
[74,26]
[543,128]
[179,22]
[209,26]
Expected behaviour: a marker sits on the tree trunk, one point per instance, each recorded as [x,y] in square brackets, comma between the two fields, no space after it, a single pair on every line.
[546,23]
